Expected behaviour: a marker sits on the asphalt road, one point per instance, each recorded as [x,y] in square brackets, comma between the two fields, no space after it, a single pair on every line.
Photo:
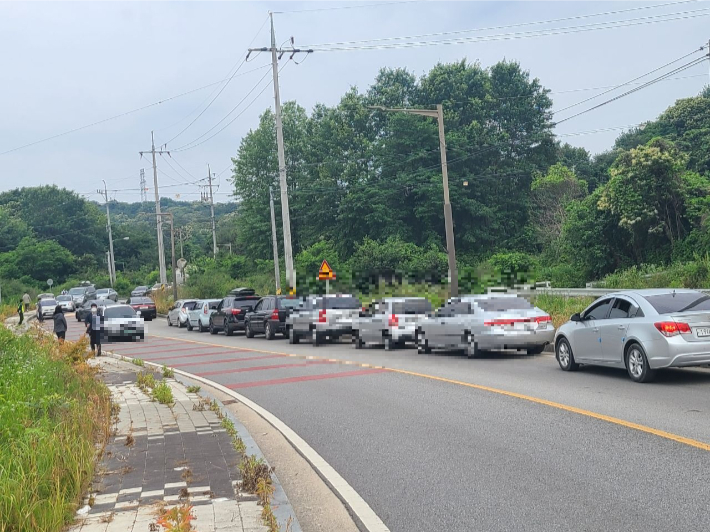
[450,449]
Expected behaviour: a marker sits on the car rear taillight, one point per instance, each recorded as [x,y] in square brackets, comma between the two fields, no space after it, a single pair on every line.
[671,328]
[205,311]
[236,311]
[275,314]
[321,316]
[393,321]
[543,319]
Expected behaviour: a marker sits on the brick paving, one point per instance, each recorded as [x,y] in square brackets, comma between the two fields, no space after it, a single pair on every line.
[177,455]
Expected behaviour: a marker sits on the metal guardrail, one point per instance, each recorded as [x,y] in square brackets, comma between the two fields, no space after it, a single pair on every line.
[528,290]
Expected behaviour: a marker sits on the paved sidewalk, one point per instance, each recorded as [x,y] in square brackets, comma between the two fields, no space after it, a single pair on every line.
[159,457]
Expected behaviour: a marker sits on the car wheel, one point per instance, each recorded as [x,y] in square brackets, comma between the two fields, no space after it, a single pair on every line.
[637,364]
[200,327]
[269,331]
[472,350]
[189,325]
[247,331]
[535,350]
[564,355]
[389,343]
[170,323]
[228,330]
[141,337]
[181,324]
[359,344]
[292,336]
[316,338]
[422,344]
[212,329]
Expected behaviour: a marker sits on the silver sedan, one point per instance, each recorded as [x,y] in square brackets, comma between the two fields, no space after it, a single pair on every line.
[639,330]
[476,323]
[391,321]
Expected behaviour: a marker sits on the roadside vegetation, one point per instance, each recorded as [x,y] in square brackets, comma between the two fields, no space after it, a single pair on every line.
[53,412]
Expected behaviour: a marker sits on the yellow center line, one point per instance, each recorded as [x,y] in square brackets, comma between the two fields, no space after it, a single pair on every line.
[580,411]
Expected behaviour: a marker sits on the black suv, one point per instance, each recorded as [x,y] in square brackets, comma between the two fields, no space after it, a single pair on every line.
[230,314]
[269,316]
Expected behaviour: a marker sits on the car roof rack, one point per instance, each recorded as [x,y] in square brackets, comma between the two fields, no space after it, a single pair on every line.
[243,291]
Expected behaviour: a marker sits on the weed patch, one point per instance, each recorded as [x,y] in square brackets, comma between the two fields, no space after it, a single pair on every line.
[193,389]
[163,394]
[146,381]
[52,413]
[168,373]
[138,362]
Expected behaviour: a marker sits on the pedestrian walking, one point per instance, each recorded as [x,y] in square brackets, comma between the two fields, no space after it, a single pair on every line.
[60,324]
[93,329]
[26,301]
[21,312]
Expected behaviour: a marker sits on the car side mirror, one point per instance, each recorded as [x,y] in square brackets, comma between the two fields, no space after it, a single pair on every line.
[576,317]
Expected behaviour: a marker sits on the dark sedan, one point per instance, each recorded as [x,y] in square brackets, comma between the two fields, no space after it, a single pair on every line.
[269,316]
[144,305]
[230,314]
[140,291]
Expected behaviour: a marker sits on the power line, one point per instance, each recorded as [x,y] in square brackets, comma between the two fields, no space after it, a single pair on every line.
[359,6]
[508,26]
[221,90]
[527,34]
[630,81]
[635,89]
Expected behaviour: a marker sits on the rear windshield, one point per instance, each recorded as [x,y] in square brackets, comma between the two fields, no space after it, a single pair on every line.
[64,298]
[190,305]
[119,312]
[102,291]
[49,303]
[342,303]
[680,302]
[245,304]
[141,301]
[289,302]
[214,304]
[140,288]
[76,291]
[500,304]
[414,306]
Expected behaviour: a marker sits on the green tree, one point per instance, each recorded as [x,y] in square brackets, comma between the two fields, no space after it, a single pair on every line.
[38,260]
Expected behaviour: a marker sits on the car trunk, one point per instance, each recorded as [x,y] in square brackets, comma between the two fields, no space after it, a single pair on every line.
[517,320]
[699,323]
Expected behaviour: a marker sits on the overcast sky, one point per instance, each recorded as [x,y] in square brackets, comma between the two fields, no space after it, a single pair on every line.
[65,65]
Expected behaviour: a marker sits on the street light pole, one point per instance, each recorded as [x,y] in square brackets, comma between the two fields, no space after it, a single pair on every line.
[111,264]
[448,216]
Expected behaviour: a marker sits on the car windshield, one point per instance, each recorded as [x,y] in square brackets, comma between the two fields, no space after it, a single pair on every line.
[49,303]
[289,302]
[141,301]
[119,312]
[64,298]
[102,291]
[679,302]
[342,303]
[76,291]
[106,302]
[190,305]
[91,302]
[411,306]
[500,304]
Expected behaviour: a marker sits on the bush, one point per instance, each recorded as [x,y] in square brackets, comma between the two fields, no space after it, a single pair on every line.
[52,413]
[514,268]
[563,276]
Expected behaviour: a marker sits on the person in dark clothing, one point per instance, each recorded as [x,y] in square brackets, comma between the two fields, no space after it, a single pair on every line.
[93,329]
[60,324]
[21,311]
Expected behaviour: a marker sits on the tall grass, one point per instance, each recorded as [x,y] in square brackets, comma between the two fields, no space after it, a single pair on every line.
[560,308]
[52,413]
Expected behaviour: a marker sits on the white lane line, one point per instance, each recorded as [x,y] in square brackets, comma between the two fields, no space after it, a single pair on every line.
[365,516]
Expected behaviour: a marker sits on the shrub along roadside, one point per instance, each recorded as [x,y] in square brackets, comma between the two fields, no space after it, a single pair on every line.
[52,413]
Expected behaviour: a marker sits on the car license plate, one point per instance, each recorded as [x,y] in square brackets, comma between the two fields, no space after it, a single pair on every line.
[702,331]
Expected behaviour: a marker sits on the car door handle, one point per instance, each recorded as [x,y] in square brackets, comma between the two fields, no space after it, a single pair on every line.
[622,327]
[596,329]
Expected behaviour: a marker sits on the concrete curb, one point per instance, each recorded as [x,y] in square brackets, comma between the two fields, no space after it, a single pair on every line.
[281,506]
[365,518]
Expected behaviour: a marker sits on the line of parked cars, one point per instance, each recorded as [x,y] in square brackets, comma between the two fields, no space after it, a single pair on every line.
[637,330]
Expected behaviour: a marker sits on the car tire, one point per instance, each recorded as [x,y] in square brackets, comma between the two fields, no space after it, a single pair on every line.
[359,344]
[170,323]
[637,364]
[564,355]
[181,324]
[316,338]
[189,325]
[423,344]
[538,349]
[228,330]
[212,329]
[247,330]
[472,350]
[269,331]
[293,336]
[141,337]
[389,343]
[200,327]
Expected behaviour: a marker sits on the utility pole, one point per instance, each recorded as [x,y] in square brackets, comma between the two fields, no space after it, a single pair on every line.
[171,221]
[214,230]
[144,195]
[277,273]
[111,264]
[161,248]
[448,216]
[285,217]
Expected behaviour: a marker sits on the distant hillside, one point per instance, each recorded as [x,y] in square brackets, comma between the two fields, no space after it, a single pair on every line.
[185,212]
